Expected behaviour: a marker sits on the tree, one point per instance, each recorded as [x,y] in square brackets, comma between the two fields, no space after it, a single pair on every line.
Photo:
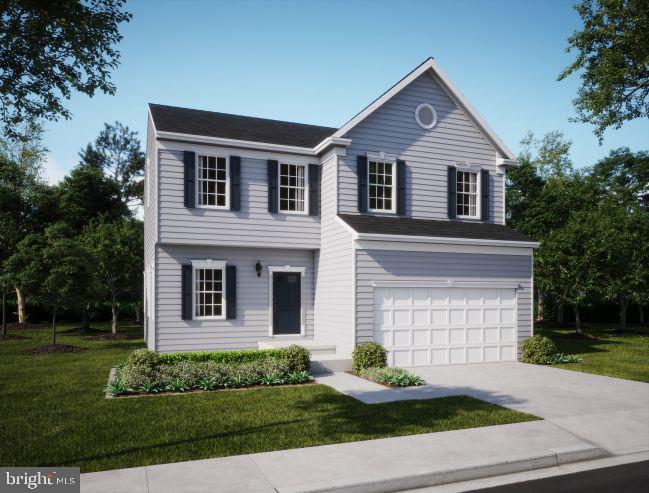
[118,251]
[86,194]
[118,152]
[49,49]
[626,175]
[613,61]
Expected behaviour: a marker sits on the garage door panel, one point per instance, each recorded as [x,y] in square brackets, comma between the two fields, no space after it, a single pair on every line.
[431,326]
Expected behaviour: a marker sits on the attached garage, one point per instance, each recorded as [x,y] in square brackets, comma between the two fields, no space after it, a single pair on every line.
[437,325]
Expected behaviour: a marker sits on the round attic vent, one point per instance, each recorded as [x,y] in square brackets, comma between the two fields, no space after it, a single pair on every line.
[426,116]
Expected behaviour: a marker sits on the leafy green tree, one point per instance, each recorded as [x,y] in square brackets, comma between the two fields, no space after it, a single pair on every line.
[85,194]
[49,49]
[613,62]
[118,251]
[118,152]
[625,175]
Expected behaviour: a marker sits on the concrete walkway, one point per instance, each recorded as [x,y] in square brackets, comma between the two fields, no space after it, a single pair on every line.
[586,417]
[609,412]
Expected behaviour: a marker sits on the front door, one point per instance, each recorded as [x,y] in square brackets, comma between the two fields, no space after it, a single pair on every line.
[286,302]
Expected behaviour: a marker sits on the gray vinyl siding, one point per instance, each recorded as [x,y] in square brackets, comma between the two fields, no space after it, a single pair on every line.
[392,129]
[253,315]
[248,227]
[334,287]
[150,226]
[387,265]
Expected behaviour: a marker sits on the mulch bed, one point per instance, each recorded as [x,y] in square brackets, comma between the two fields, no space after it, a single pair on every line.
[59,348]
[12,337]
[201,391]
[111,337]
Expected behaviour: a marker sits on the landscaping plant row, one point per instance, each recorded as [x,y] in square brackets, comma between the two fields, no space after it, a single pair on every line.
[369,360]
[146,372]
[541,350]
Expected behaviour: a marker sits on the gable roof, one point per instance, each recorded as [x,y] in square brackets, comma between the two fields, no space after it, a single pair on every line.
[429,65]
[402,226]
[248,128]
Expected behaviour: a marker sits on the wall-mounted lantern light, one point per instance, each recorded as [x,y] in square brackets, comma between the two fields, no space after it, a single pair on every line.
[258,268]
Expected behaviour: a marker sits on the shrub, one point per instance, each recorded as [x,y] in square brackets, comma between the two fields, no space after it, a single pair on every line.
[230,357]
[368,355]
[561,358]
[297,358]
[143,357]
[537,349]
[135,376]
[392,376]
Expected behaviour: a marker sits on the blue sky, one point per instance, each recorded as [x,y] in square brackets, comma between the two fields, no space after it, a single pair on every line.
[321,62]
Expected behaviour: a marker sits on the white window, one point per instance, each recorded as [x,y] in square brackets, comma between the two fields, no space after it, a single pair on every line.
[467,194]
[292,188]
[209,289]
[212,181]
[381,186]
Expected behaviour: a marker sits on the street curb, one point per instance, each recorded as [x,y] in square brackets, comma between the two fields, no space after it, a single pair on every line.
[366,484]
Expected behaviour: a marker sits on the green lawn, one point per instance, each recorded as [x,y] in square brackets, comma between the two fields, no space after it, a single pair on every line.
[614,354]
[54,413]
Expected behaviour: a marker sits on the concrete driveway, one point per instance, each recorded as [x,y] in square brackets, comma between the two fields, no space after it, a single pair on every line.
[608,412]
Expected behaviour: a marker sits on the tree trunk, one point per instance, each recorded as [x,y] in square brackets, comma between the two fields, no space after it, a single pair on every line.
[138,312]
[114,307]
[540,307]
[54,327]
[20,301]
[560,317]
[640,314]
[4,311]
[623,306]
[577,320]
[85,319]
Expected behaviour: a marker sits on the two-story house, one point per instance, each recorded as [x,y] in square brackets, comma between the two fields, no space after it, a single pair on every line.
[390,228]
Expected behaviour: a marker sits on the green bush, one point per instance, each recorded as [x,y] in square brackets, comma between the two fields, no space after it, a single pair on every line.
[392,376]
[144,357]
[297,358]
[538,349]
[368,355]
[230,357]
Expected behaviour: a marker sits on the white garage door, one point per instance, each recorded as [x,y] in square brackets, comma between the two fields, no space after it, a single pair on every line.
[435,326]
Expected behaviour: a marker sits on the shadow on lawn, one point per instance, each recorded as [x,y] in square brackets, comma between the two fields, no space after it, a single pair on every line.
[567,343]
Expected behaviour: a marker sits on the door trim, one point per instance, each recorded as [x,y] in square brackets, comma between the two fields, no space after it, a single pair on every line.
[286,268]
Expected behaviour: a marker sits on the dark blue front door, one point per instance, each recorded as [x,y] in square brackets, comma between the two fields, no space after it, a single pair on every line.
[286,302]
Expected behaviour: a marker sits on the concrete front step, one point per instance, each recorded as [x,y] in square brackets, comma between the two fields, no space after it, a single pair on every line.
[314,348]
[325,363]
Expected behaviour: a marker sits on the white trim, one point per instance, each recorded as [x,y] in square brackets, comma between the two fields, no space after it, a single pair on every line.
[531,298]
[247,144]
[227,181]
[431,66]
[422,124]
[446,240]
[448,283]
[478,192]
[209,264]
[394,187]
[304,212]
[354,293]
[404,246]
[331,141]
[286,268]
[351,230]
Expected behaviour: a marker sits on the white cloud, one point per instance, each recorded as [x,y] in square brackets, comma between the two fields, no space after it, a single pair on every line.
[53,172]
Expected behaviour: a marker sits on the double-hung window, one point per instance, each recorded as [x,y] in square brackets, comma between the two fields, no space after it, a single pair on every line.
[381,186]
[468,205]
[212,181]
[209,289]
[292,187]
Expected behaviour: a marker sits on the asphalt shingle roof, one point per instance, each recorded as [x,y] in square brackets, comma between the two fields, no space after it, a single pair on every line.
[425,227]
[213,124]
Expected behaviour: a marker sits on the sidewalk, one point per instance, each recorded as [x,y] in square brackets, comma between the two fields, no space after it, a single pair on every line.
[390,464]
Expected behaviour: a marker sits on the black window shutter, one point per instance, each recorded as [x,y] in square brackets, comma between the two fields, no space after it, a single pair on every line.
[186,292]
[272,185]
[314,190]
[189,159]
[401,187]
[452,191]
[361,171]
[484,184]
[235,183]
[231,292]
